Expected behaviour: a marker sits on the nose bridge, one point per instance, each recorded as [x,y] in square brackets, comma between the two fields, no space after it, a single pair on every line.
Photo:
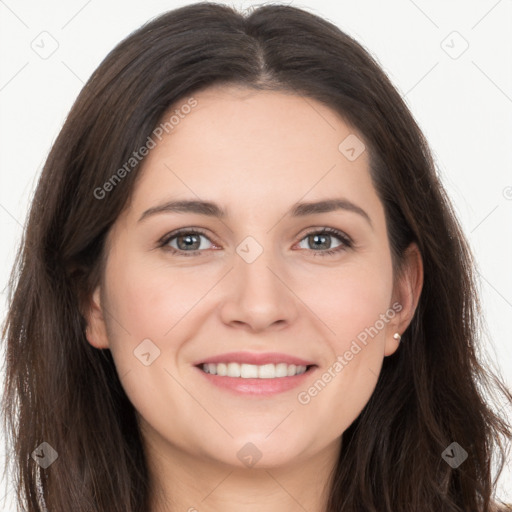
[253,266]
[256,293]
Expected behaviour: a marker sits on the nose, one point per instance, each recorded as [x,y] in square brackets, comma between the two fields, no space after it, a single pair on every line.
[258,296]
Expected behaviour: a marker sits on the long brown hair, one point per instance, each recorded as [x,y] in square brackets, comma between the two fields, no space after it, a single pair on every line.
[59,389]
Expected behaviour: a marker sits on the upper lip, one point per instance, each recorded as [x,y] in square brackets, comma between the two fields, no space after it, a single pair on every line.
[259,358]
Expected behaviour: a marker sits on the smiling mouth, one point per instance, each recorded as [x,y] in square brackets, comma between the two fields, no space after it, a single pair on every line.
[252,371]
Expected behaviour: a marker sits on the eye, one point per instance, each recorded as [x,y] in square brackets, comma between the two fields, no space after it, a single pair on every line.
[185,241]
[321,240]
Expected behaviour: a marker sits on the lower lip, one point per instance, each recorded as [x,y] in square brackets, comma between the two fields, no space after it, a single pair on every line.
[258,387]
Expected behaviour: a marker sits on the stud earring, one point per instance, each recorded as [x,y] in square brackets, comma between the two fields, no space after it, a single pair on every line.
[397,337]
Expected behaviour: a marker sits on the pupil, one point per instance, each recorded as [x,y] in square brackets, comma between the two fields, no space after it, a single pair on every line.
[188,240]
[319,237]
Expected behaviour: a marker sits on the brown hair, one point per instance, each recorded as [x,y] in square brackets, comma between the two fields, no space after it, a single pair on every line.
[61,390]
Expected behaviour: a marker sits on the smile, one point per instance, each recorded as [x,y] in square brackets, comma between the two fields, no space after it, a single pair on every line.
[255,380]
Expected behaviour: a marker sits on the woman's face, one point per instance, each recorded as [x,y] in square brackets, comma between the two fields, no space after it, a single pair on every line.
[263,279]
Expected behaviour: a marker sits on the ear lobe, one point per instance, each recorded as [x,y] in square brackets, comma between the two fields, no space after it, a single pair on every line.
[407,294]
[96,332]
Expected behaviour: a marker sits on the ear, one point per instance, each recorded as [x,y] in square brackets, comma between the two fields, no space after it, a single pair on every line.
[96,331]
[406,293]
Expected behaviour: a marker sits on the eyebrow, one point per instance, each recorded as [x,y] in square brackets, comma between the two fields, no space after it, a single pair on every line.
[212,209]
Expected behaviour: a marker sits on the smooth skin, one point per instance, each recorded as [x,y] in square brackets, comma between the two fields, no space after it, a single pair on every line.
[256,154]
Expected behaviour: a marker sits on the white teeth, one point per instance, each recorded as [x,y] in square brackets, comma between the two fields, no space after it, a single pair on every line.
[248,371]
[281,370]
[233,370]
[252,371]
[267,371]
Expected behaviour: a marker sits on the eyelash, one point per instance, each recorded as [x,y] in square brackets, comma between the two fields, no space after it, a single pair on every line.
[346,241]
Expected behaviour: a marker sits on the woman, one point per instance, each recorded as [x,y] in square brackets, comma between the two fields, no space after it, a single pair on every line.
[260,370]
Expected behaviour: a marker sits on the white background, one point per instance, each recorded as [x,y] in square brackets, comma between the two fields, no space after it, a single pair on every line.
[463,105]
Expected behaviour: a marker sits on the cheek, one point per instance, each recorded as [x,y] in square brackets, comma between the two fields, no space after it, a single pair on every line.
[350,301]
[147,304]
[149,300]
[356,308]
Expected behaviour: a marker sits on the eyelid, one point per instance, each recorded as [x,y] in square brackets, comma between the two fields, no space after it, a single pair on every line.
[330,231]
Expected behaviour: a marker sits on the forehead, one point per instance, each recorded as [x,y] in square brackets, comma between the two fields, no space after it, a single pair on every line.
[254,147]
